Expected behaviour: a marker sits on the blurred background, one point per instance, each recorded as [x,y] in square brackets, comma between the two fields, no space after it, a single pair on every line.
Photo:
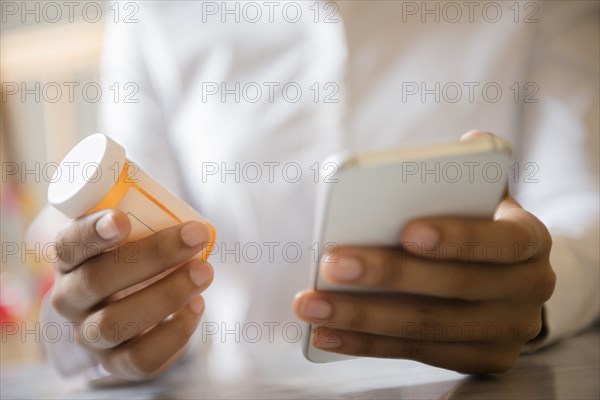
[49,58]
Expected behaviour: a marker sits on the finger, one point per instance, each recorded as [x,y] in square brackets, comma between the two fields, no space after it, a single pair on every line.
[408,317]
[89,236]
[128,265]
[156,350]
[514,235]
[394,270]
[461,357]
[121,320]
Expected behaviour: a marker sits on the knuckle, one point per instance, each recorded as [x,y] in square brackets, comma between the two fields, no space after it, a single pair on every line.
[80,337]
[88,335]
[88,283]
[64,234]
[529,327]
[75,243]
[547,242]
[107,326]
[83,286]
[548,284]
[545,238]
[543,284]
[63,247]
[59,299]
[532,328]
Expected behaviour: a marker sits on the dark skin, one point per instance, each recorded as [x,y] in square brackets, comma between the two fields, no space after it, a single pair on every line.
[497,305]
[128,292]
[470,309]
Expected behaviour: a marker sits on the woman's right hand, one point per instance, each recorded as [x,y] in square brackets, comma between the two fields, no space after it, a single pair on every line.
[119,298]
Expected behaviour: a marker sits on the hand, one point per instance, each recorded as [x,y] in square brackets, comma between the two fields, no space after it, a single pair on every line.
[460,293]
[120,297]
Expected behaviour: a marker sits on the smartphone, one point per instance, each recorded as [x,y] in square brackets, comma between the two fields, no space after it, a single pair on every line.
[373,195]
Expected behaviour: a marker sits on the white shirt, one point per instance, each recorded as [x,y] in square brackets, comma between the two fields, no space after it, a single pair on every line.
[397,77]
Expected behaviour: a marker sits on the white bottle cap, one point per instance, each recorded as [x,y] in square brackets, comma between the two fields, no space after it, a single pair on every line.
[86,175]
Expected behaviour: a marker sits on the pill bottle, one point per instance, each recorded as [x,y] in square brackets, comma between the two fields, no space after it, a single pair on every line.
[96,174]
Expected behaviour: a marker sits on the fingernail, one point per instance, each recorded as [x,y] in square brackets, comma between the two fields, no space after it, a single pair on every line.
[106,227]
[316,308]
[328,341]
[423,235]
[200,274]
[194,234]
[346,269]
[197,304]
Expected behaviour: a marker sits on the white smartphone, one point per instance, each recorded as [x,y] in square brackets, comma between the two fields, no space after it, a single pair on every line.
[373,195]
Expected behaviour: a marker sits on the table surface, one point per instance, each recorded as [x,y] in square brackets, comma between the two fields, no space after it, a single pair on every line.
[568,370]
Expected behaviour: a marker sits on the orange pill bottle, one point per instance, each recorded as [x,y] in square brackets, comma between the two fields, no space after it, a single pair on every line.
[96,174]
